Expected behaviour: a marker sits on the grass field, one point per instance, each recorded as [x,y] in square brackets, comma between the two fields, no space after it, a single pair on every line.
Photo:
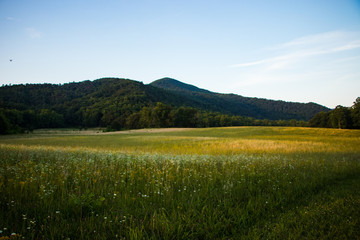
[215,183]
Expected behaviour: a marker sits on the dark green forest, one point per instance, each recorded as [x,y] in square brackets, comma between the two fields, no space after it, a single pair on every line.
[340,117]
[116,104]
[233,104]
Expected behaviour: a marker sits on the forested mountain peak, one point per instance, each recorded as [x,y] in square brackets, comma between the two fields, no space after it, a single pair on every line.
[173,84]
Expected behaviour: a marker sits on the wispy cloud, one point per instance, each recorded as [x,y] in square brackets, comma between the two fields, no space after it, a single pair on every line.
[12,19]
[248,64]
[305,47]
[315,39]
[33,33]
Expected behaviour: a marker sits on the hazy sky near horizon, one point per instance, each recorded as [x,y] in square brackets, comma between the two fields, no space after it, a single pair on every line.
[291,50]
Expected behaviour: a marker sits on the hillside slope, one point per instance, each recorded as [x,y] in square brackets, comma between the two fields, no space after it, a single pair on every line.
[239,105]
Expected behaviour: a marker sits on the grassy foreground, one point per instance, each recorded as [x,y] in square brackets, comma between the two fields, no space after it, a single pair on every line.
[220,183]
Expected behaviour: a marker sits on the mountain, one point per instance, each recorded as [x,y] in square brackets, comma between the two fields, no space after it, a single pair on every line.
[121,102]
[238,105]
[175,85]
[127,95]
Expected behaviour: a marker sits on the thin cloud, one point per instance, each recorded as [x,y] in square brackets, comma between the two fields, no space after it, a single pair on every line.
[315,39]
[278,60]
[33,33]
[250,63]
[308,46]
[349,46]
[12,19]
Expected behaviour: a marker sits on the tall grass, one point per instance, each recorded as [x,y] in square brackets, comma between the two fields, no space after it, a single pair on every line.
[215,141]
[62,191]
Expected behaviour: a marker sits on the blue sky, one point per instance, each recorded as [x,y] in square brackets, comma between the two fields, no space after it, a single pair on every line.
[303,51]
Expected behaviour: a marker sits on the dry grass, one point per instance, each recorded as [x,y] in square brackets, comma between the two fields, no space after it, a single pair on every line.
[217,141]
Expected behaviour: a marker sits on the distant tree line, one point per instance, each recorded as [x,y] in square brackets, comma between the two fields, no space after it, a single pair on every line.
[340,117]
[116,104]
[123,114]
[164,116]
[159,115]
[16,121]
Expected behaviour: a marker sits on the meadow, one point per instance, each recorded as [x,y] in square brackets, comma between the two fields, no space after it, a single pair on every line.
[214,183]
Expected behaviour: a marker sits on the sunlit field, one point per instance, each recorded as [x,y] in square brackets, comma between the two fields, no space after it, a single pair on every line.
[216,183]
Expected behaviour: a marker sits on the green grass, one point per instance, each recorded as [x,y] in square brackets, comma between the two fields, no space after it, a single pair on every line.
[220,183]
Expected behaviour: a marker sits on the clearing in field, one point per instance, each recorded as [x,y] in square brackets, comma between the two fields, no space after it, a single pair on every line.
[215,183]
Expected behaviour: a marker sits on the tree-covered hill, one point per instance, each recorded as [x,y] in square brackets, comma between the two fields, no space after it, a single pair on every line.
[124,103]
[238,105]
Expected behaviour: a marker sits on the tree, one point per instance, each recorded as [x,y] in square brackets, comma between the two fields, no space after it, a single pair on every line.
[91,117]
[133,121]
[30,120]
[162,115]
[225,120]
[322,119]
[107,117]
[50,119]
[185,117]
[340,117]
[145,120]
[355,113]
[4,124]
[117,123]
